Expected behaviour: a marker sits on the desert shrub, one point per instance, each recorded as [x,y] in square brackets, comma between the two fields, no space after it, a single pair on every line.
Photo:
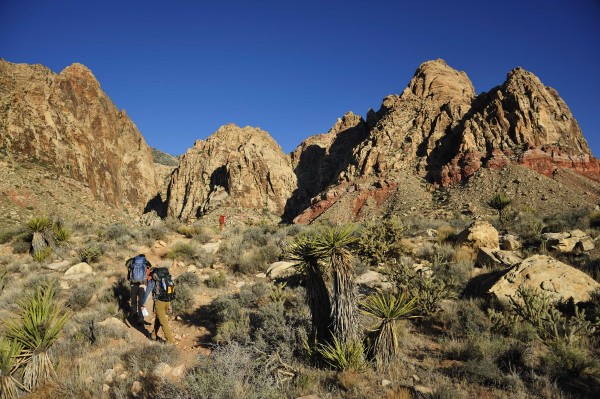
[528,226]
[446,233]
[115,231]
[254,295]
[217,280]
[183,250]
[594,219]
[22,243]
[7,234]
[465,318]
[233,371]
[188,278]
[61,233]
[380,240]
[186,230]
[80,297]
[577,219]
[250,262]
[146,357]
[564,361]
[90,253]
[156,232]
[184,299]
[224,308]
[204,259]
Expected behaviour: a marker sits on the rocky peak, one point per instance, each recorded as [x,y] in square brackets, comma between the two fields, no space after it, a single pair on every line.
[242,168]
[67,122]
[436,80]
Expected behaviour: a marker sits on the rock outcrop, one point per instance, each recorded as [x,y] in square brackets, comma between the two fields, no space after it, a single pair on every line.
[438,129]
[235,167]
[68,123]
[558,280]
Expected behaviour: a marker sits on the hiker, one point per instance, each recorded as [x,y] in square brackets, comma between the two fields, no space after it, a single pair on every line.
[138,272]
[162,287]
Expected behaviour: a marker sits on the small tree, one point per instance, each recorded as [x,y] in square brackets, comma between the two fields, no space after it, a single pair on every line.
[499,203]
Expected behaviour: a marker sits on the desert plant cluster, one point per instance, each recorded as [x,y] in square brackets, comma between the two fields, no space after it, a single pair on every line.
[381,309]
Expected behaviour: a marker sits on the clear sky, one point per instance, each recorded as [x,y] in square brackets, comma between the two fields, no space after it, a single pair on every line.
[183,68]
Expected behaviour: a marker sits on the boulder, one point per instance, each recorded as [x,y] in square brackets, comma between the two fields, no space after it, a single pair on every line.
[162,370]
[508,258]
[486,258]
[211,247]
[79,270]
[545,273]
[480,234]
[160,248]
[58,266]
[567,242]
[278,269]
[509,242]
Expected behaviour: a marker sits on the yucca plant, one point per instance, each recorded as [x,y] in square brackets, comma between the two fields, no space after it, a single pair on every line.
[37,328]
[61,233]
[11,357]
[499,203]
[333,245]
[302,250]
[343,355]
[388,309]
[38,224]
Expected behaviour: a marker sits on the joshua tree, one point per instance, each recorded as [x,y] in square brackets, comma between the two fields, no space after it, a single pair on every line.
[333,246]
[499,202]
[302,250]
[37,329]
[388,309]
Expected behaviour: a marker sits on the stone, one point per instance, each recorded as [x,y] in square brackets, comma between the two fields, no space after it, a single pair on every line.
[261,275]
[385,383]
[162,370]
[279,269]
[557,279]
[136,389]
[58,266]
[308,397]
[508,258]
[479,234]
[211,247]
[486,258]
[178,371]
[109,376]
[369,278]
[160,248]
[567,242]
[105,388]
[192,269]
[80,269]
[423,390]
[510,242]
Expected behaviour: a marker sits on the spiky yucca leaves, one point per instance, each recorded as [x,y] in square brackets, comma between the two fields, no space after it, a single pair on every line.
[302,250]
[388,309]
[499,203]
[333,245]
[11,358]
[37,328]
[343,355]
[38,224]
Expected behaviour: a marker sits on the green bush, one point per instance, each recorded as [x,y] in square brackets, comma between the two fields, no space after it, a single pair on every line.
[38,224]
[22,244]
[80,297]
[217,280]
[183,250]
[380,240]
[6,235]
[184,299]
[188,278]
[343,356]
[91,253]
[42,254]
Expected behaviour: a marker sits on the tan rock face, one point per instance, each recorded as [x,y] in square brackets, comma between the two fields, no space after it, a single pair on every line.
[69,123]
[235,167]
[549,275]
[478,235]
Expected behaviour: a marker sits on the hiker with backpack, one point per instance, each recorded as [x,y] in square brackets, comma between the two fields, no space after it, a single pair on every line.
[138,272]
[163,292]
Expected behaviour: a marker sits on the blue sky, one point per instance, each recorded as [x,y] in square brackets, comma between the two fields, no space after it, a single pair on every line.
[181,68]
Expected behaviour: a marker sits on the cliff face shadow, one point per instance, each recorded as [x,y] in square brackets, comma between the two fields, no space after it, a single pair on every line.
[317,169]
[158,205]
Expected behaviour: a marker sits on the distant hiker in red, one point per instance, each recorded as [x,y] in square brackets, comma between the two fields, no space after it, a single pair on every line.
[138,272]
[221,222]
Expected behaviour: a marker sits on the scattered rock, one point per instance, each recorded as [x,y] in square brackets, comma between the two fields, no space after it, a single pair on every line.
[162,370]
[480,234]
[385,383]
[261,275]
[510,242]
[160,248]
[423,390]
[486,258]
[568,242]
[78,271]
[59,266]
[308,397]
[211,247]
[279,269]
[136,389]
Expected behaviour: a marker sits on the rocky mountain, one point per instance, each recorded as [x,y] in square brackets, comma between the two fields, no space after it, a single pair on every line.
[242,168]
[440,132]
[67,122]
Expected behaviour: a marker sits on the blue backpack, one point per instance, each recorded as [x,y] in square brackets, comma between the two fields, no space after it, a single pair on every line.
[137,270]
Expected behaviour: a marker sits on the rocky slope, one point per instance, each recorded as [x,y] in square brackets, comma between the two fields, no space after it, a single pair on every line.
[67,122]
[441,133]
[241,168]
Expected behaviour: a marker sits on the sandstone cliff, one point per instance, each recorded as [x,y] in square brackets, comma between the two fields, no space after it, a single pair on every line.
[68,123]
[235,167]
[439,130]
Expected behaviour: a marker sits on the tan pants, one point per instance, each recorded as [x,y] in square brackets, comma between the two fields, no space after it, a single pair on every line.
[160,309]
[137,295]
